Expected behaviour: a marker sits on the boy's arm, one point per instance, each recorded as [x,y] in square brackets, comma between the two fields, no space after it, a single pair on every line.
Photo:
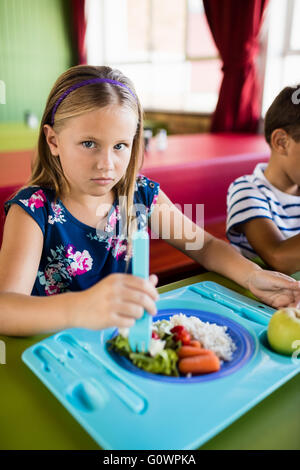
[266,239]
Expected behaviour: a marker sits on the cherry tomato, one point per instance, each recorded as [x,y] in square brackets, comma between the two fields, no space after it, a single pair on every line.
[185,338]
[155,335]
[177,329]
[181,334]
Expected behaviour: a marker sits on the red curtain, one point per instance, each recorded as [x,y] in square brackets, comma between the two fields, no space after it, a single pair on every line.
[79,29]
[235,25]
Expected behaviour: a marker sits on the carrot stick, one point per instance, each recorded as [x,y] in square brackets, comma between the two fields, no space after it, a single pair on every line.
[188,351]
[195,344]
[199,364]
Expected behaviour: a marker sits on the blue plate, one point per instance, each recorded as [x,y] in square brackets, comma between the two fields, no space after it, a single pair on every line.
[244,341]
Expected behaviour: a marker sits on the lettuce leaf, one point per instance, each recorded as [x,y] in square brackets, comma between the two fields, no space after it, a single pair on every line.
[164,362]
[120,344]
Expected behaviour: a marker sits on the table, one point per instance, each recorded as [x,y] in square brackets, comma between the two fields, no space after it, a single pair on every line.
[32,418]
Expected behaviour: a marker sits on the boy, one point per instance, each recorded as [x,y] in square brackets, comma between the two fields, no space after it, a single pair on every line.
[263,209]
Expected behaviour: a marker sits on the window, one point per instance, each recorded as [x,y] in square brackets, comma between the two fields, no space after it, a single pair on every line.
[283,50]
[165,47]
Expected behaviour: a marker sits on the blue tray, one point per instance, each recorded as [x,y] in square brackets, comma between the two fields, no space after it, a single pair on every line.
[122,407]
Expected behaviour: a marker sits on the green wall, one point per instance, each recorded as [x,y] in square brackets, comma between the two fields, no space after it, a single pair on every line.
[35,48]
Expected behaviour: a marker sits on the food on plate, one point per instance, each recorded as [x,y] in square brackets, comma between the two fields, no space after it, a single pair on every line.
[284,330]
[188,351]
[181,334]
[180,346]
[195,343]
[201,364]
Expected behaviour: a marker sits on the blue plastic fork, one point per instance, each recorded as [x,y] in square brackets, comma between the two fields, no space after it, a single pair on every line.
[140,332]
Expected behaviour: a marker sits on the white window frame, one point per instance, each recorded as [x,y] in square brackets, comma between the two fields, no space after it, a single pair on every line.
[100,7]
[96,11]
[278,49]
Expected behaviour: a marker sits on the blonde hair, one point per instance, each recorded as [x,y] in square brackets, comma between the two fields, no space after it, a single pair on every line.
[47,170]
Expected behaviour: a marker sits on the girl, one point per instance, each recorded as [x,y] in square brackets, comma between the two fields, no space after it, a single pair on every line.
[64,230]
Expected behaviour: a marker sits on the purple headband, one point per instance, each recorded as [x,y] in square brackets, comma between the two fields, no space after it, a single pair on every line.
[86,82]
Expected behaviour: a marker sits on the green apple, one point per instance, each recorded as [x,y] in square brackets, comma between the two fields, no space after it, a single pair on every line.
[284,329]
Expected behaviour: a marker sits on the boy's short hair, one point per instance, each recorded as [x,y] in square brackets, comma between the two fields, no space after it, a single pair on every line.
[284,113]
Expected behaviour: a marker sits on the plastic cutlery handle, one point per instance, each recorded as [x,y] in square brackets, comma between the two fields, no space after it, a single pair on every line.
[140,262]
[140,333]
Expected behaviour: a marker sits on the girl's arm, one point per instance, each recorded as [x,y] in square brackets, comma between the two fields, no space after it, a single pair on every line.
[218,256]
[21,313]
[213,254]
[117,300]
[20,252]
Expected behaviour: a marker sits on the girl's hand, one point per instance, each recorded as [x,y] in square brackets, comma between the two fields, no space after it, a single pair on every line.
[118,300]
[274,288]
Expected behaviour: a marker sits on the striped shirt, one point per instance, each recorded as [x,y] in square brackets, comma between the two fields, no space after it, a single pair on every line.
[251,197]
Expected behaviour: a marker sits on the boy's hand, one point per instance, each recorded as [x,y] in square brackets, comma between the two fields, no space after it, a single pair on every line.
[274,288]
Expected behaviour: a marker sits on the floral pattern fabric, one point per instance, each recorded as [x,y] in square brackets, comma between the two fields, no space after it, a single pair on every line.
[63,264]
[76,256]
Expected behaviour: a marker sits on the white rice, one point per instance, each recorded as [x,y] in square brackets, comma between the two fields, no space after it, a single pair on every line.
[210,335]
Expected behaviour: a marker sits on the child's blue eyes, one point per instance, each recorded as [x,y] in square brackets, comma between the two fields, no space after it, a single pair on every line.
[88,142]
[88,146]
[118,146]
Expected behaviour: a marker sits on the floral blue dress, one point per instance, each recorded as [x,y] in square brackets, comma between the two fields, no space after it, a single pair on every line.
[75,256]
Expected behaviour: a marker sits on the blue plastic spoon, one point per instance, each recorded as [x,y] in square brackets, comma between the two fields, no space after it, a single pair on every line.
[140,332]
